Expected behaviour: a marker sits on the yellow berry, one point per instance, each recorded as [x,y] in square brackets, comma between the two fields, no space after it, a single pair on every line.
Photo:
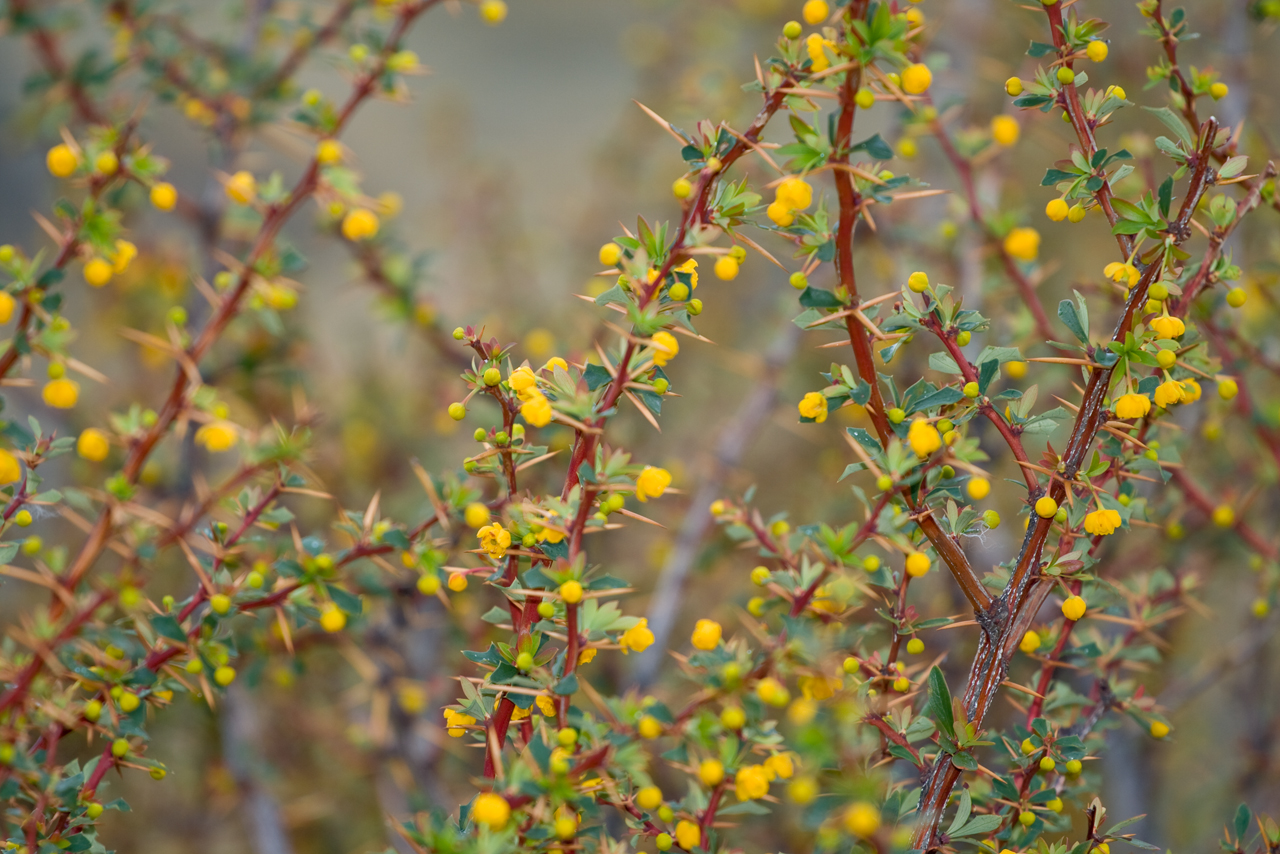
[815,11]
[918,282]
[1005,130]
[710,772]
[1159,729]
[682,188]
[1218,91]
[571,592]
[610,254]
[106,163]
[98,271]
[1056,210]
[915,646]
[916,78]
[224,675]
[1046,507]
[1236,297]
[491,810]
[917,564]
[1013,86]
[979,488]
[1097,50]
[329,151]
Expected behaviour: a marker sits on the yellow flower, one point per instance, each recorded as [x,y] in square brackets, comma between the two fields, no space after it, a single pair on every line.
[7,304]
[97,272]
[1057,210]
[61,393]
[814,406]
[164,196]
[1005,130]
[10,470]
[665,347]
[690,267]
[649,727]
[125,253]
[819,687]
[493,12]
[815,11]
[476,515]
[923,438]
[536,410]
[979,488]
[332,619]
[62,161]
[803,790]
[688,835]
[328,151]
[1116,272]
[652,482]
[556,362]
[242,188]
[773,692]
[1023,244]
[1168,393]
[751,782]
[862,819]
[93,445]
[917,564]
[1030,642]
[1159,729]
[1132,406]
[454,722]
[217,436]
[781,765]
[495,539]
[610,254]
[781,215]
[706,634]
[795,193]
[545,705]
[523,382]
[1191,391]
[359,224]
[491,810]
[1074,607]
[916,78]
[1167,327]
[1102,522]
[639,637]
[816,45]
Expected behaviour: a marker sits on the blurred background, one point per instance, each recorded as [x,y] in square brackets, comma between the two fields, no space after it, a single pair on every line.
[516,157]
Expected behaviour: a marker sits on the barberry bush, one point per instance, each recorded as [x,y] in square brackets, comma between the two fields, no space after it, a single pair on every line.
[1045,461]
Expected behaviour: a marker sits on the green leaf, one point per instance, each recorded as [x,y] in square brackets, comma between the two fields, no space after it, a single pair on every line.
[1067,314]
[567,686]
[818,298]
[1174,123]
[1243,817]
[876,147]
[940,702]
[942,397]
[596,376]
[979,826]
[167,626]
[943,363]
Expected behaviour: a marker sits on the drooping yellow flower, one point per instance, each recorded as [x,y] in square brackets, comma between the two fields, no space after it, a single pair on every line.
[1074,608]
[638,638]
[495,539]
[690,267]
[652,482]
[817,46]
[536,410]
[781,765]
[454,722]
[1168,328]
[923,438]
[1191,391]
[1168,393]
[242,188]
[523,382]
[794,192]
[1102,522]
[1023,244]
[1118,272]
[689,835]
[545,705]
[665,347]
[556,362]
[125,253]
[814,405]
[751,782]
[706,634]
[1132,406]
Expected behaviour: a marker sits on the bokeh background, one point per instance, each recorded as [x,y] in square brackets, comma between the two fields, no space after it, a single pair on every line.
[519,154]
